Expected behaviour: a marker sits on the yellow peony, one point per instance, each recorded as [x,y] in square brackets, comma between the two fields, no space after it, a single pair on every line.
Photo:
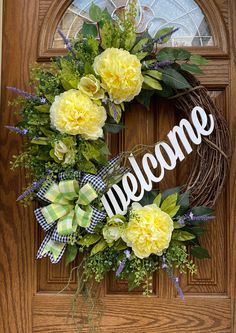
[90,86]
[120,74]
[148,231]
[74,113]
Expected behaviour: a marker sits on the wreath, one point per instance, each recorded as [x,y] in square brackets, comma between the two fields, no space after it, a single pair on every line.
[78,98]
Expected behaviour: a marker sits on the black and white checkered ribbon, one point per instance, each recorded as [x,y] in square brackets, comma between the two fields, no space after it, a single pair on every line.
[83,178]
[40,254]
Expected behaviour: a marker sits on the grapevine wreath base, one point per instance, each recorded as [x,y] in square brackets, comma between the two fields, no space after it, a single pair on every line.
[77,99]
[211,159]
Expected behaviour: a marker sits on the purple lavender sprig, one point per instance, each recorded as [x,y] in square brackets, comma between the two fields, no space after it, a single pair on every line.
[160,64]
[191,217]
[27,95]
[114,111]
[33,187]
[123,262]
[159,40]
[173,278]
[22,131]
[67,43]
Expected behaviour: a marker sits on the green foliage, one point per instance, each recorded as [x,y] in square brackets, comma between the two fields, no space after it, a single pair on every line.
[198,60]
[89,239]
[174,79]
[157,200]
[199,252]
[100,246]
[89,29]
[69,75]
[177,257]
[191,68]
[152,83]
[71,253]
[164,31]
[95,13]
[144,98]
[169,53]
[139,45]
[182,236]
[96,151]
[99,264]
[112,127]
[169,205]
[137,270]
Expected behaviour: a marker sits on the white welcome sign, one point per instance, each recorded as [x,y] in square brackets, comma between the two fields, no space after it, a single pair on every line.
[117,199]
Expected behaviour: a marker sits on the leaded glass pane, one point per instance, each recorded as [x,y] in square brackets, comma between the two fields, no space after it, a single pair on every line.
[153,15]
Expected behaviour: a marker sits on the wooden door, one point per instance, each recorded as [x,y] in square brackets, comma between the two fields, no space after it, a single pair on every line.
[29,290]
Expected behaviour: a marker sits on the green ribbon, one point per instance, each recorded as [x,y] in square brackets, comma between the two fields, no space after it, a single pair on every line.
[70,205]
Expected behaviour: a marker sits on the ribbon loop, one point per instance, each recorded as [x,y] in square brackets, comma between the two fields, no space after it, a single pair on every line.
[54,212]
[86,195]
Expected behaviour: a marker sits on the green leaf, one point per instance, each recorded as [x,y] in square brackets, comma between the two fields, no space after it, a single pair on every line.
[89,29]
[183,199]
[86,166]
[131,281]
[172,53]
[100,246]
[191,68]
[167,53]
[199,252]
[113,128]
[46,131]
[43,108]
[144,98]
[153,73]
[40,141]
[53,156]
[197,231]
[202,210]
[96,150]
[198,60]
[95,13]
[181,235]
[172,211]
[138,47]
[169,201]
[106,15]
[181,54]
[157,200]
[166,92]
[120,245]
[141,55]
[174,79]
[178,225]
[88,240]
[164,31]
[148,198]
[152,83]
[50,98]
[71,253]
[170,191]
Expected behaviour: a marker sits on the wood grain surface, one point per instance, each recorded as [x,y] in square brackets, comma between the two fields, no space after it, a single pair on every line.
[29,299]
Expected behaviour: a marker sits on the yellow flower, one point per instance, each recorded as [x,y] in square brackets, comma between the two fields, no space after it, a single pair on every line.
[74,113]
[64,150]
[148,231]
[113,230]
[120,74]
[90,86]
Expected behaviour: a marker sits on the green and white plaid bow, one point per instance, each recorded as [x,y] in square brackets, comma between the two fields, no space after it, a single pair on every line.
[70,206]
